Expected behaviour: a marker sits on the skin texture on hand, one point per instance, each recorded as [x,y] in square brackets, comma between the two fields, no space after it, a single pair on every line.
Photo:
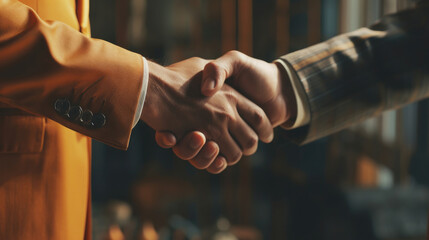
[264,83]
[200,158]
[174,103]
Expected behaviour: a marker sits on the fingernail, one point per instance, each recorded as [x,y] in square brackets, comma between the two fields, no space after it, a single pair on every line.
[271,138]
[210,84]
[195,143]
[170,140]
[210,153]
[219,163]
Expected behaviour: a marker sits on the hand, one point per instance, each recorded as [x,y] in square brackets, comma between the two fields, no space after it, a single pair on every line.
[263,83]
[194,148]
[174,103]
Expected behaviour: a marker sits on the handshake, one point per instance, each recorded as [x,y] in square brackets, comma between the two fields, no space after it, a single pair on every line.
[212,124]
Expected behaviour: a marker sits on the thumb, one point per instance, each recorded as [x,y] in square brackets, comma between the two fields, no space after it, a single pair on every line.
[216,72]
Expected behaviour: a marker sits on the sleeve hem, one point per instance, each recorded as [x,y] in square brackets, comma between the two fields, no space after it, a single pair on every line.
[303,115]
[143,92]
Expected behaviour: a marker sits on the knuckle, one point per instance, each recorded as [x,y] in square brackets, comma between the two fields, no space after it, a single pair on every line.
[232,100]
[234,53]
[213,66]
[235,158]
[215,132]
[216,68]
[197,59]
[227,117]
[230,96]
[258,117]
[250,144]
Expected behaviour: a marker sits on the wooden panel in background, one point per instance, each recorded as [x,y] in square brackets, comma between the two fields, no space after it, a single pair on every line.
[245,45]
[229,26]
[197,27]
[244,191]
[282,27]
[245,26]
[314,20]
[121,27]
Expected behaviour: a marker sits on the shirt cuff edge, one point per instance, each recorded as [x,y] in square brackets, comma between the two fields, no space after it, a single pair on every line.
[303,110]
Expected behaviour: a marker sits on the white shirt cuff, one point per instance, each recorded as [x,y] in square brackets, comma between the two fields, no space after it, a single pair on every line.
[303,113]
[143,92]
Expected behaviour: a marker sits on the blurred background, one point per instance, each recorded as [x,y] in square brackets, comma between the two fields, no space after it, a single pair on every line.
[367,182]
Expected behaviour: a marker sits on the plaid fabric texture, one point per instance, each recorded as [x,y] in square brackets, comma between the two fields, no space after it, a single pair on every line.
[358,75]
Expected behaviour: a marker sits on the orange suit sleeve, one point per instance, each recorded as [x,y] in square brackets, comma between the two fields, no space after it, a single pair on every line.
[52,70]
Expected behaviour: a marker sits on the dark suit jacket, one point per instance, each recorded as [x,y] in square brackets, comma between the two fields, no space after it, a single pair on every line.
[357,75]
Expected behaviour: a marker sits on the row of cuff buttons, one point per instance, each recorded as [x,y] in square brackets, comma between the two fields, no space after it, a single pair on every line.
[77,114]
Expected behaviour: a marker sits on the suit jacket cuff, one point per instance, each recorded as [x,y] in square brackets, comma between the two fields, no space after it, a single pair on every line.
[88,85]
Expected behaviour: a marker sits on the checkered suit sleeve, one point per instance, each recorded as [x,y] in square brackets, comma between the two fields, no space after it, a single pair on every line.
[358,75]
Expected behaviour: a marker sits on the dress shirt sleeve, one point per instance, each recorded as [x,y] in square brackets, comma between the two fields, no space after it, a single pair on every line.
[302,105]
[143,91]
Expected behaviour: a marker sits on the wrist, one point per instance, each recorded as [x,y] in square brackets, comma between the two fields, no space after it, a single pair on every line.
[288,96]
[153,94]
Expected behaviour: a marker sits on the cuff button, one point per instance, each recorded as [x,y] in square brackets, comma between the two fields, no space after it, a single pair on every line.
[86,118]
[75,113]
[99,120]
[62,106]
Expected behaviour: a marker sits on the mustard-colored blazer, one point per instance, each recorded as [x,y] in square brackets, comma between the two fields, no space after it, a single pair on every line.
[58,87]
